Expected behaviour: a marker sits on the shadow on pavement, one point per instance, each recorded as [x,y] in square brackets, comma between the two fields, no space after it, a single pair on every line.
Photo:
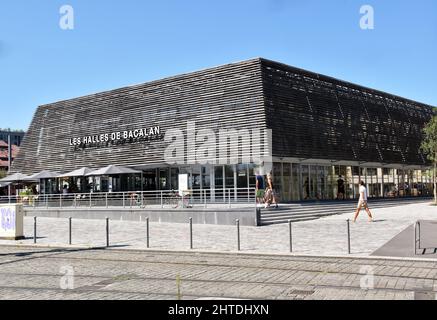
[35,254]
[402,245]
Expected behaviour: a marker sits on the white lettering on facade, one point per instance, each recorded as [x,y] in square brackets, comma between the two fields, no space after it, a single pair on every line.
[142,133]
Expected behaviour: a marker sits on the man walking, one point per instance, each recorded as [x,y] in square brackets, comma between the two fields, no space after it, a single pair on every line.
[340,188]
[362,202]
[259,188]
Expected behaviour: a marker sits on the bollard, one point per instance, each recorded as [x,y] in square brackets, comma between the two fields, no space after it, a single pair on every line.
[348,237]
[69,230]
[229,198]
[191,233]
[107,232]
[258,216]
[147,232]
[416,238]
[291,235]
[238,234]
[178,286]
[162,202]
[34,229]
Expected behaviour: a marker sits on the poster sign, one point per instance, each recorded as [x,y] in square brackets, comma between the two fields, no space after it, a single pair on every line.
[11,222]
[183,183]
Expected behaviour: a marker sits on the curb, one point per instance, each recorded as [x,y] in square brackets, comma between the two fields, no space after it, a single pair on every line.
[231,253]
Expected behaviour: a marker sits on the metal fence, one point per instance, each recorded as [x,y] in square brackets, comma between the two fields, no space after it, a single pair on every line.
[164,199]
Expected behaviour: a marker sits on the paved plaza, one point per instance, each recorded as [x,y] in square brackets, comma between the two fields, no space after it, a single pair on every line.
[44,273]
[326,236]
[264,269]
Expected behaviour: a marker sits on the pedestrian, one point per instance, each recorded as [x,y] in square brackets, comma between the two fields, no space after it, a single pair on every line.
[259,188]
[340,188]
[362,202]
[306,187]
[270,193]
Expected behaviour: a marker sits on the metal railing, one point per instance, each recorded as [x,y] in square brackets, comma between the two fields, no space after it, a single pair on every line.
[146,235]
[164,199]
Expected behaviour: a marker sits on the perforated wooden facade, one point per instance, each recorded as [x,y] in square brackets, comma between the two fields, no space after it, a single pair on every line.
[311,116]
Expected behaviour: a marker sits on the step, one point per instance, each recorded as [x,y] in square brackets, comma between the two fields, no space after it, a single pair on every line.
[349,203]
[282,210]
[297,219]
[298,212]
[295,216]
[273,211]
[326,208]
[266,223]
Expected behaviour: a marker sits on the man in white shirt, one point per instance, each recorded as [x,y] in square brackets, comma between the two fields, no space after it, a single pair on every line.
[362,202]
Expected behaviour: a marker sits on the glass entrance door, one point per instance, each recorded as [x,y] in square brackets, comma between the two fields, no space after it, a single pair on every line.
[149,178]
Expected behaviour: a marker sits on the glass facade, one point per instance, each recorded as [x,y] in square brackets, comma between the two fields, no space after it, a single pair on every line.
[301,182]
[292,181]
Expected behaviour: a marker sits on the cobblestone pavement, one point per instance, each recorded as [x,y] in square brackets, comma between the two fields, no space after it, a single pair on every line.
[47,273]
[326,236]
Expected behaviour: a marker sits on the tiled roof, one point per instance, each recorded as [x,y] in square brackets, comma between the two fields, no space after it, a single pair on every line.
[4,150]
[3,163]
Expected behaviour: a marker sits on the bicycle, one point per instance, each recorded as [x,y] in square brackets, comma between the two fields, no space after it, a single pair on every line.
[175,200]
[137,201]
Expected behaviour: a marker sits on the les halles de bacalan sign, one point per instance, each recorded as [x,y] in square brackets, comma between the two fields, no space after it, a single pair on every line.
[117,138]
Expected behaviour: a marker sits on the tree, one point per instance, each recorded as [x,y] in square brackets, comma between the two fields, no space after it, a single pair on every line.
[429,147]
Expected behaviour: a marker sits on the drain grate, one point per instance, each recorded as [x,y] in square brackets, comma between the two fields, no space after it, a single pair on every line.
[425,295]
[107,282]
[301,292]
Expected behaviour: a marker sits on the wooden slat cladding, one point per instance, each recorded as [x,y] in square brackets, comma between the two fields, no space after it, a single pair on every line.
[311,116]
[318,117]
[225,97]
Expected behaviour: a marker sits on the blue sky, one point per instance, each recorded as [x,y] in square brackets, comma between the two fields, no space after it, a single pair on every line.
[118,43]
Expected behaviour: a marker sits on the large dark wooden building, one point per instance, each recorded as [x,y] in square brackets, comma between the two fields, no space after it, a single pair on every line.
[309,130]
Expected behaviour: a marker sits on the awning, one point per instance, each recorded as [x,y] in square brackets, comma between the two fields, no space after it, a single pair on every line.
[112,170]
[17,177]
[42,175]
[77,173]
[5,184]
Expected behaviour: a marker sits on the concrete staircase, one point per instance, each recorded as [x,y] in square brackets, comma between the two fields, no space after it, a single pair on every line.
[304,211]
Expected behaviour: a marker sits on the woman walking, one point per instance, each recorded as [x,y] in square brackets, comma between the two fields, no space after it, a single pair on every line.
[270,193]
[362,202]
